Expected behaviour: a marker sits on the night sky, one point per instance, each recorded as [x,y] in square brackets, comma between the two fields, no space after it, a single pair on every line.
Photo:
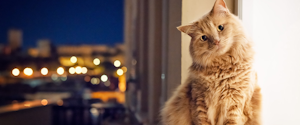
[64,22]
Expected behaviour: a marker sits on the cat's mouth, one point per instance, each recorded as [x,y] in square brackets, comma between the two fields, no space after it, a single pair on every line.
[219,47]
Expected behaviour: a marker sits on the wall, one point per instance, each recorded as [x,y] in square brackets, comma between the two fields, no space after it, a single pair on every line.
[191,11]
[276,36]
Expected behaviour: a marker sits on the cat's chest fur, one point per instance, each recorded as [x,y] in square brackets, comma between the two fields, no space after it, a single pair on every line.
[212,88]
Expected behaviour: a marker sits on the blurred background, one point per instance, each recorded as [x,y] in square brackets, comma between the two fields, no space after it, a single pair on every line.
[116,62]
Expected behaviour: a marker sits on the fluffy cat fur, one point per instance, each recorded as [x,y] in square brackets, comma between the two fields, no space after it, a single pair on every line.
[222,86]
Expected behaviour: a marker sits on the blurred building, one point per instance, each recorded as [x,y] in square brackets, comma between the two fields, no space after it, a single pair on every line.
[44,48]
[15,37]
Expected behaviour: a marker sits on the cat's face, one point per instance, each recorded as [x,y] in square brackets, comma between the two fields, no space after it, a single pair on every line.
[213,34]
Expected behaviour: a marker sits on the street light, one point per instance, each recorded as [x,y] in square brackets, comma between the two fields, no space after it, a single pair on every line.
[117,63]
[73,59]
[44,71]
[28,71]
[15,72]
[72,70]
[124,69]
[120,72]
[96,61]
[60,70]
[44,102]
[104,78]
[95,81]
[84,70]
[78,69]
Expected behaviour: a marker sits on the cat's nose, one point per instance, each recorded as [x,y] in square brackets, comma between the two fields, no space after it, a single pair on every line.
[216,42]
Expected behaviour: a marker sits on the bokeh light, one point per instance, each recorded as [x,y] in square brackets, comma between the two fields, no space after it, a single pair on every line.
[60,70]
[28,71]
[96,61]
[44,102]
[104,78]
[64,78]
[60,102]
[124,69]
[117,63]
[15,72]
[87,78]
[94,111]
[120,72]
[78,69]
[95,81]
[72,70]
[54,77]
[44,71]
[27,105]
[84,70]
[73,59]
[107,83]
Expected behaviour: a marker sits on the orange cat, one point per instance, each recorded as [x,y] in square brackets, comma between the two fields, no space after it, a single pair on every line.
[222,86]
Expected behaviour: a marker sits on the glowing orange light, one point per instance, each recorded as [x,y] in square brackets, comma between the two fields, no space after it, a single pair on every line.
[60,102]
[27,105]
[122,83]
[124,69]
[44,102]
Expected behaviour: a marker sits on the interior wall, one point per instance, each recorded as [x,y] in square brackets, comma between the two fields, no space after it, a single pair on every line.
[191,11]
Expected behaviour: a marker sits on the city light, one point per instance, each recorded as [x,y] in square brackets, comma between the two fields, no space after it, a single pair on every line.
[28,71]
[94,111]
[124,69]
[78,69]
[120,72]
[64,78]
[60,102]
[122,83]
[104,78]
[87,78]
[107,83]
[95,81]
[72,70]
[15,72]
[54,77]
[96,61]
[117,63]
[84,70]
[60,70]
[44,102]
[44,71]
[27,105]
[73,59]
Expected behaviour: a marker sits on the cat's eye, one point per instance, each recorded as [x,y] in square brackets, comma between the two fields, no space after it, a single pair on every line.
[220,28]
[203,38]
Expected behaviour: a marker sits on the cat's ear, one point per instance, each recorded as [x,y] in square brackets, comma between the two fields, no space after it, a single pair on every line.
[187,29]
[219,7]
